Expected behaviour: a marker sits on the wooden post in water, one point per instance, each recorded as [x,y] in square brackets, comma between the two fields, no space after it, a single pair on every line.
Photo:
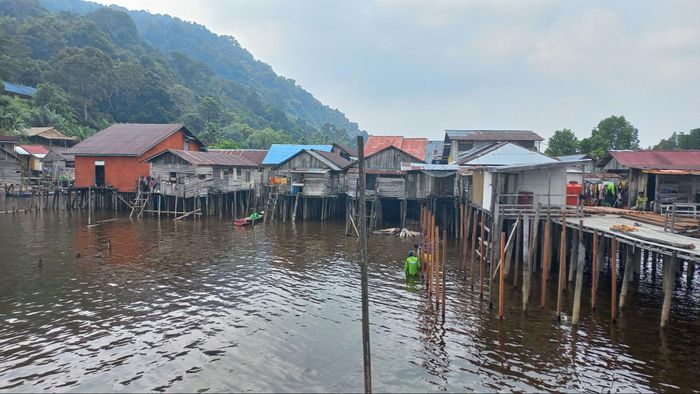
[594,269]
[562,264]
[363,265]
[526,261]
[669,269]
[546,259]
[444,270]
[481,258]
[473,251]
[89,205]
[627,276]
[502,279]
[613,285]
[518,252]
[437,266]
[581,261]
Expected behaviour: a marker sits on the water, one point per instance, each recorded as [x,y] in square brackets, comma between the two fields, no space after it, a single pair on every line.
[202,306]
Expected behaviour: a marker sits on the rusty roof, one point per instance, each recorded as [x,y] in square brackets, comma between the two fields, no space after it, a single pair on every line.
[50,133]
[656,159]
[128,139]
[9,138]
[415,147]
[352,152]
[255,156]
[493,135]
[198,158]
[334,158]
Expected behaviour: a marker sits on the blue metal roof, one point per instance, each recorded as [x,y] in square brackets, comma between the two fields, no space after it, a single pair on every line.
[18,89]
[281,152]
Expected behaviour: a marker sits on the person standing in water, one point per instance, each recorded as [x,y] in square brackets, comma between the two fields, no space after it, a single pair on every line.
[412,264]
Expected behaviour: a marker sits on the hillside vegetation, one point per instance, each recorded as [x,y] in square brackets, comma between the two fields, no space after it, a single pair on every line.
[95,65]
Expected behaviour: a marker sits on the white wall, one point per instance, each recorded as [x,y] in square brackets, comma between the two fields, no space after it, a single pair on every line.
[536,182]
[488,190]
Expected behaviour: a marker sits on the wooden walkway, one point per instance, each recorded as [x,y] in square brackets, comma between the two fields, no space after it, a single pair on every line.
[646,236]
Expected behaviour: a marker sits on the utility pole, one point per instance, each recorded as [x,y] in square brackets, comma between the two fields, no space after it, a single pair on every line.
[362,224]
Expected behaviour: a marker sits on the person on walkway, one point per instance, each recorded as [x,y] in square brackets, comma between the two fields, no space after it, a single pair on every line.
[412,264]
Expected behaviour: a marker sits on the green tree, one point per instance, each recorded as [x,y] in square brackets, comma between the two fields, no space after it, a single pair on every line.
[262,139]
[15,115]
[83,72]
[681,140]
[211,133]
[613,133]
[563,142]
[226,144]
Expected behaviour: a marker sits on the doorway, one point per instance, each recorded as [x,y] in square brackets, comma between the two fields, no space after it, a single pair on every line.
[651,187]
[99,173]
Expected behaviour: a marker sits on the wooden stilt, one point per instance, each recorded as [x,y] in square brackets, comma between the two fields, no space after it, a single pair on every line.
[613,272]
[518,252]
[473,249]
[444,270]
[438,252]
[526,261]
[594,269]
[502,280]
[546,260]
[562,265]
[669,269]
[481,257]
[627,275]
[581,255]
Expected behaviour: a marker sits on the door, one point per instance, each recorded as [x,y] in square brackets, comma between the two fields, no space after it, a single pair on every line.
[651,187]
[99,173]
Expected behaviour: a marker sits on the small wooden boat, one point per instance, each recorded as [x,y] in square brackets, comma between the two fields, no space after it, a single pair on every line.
[247,220]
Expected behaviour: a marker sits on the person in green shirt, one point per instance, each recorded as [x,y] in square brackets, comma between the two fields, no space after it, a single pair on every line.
[254,216]
[641,203]
[412,264]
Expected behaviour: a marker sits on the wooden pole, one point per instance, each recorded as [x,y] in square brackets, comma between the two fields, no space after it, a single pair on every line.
[594,269]
[481,257]
[526,261]
[626,276]
[546,259]
[579,275]
[613,272]
[89,205]
[562,264]
[473,251]
[437,266]
[363,265]
[502,279]
[669,270]
[444,270]
[518,253]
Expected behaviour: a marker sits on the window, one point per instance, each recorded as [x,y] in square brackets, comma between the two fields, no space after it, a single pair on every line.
[173,176]
[238,171]
[247,176]
[464,146]
[225,175]
[202,177]
[187,145]
[370,181]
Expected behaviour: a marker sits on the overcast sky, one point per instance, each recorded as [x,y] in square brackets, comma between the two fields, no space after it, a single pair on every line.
[418,67]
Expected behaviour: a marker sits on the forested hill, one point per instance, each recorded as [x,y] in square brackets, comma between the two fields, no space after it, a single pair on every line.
[97,65]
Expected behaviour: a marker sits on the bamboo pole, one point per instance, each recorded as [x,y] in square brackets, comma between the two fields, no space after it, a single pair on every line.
[502,280]
[562,264]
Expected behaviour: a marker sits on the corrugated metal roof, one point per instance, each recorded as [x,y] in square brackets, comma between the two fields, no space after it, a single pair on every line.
[16,88]
[504,154]
[252,155]
[659,159]
[493,135]
[281,152]
[580,156]
[127,139]
[50,133]
[34,150]
[338,160]
[198,158]
[415,147]
[433,151]
[533,166]
[428,167]
[352,152]
[9,138]
[63,152]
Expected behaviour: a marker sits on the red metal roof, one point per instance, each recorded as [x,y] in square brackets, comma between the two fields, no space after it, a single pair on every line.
[659,159]
[415,147]
[35,149]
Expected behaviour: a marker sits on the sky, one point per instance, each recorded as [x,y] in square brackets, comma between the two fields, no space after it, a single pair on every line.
[416,68]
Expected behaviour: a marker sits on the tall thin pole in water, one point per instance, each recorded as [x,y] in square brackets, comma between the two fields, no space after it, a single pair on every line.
[363,262]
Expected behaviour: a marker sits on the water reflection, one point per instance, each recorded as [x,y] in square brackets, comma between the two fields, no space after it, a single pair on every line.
[202,305]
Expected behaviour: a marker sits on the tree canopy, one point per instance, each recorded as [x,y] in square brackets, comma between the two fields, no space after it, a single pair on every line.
[612,133]
[563,142]
[690,140]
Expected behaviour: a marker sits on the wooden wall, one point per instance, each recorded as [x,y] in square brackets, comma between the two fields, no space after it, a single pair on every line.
[10,170]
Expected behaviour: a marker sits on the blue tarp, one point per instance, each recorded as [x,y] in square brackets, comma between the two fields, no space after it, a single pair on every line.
[281,152]
[18,89]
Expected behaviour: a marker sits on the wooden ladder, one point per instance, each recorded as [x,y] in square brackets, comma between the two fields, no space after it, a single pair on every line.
[139,203]
[294,211]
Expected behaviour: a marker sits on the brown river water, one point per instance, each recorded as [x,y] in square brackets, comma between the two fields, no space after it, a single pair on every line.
[203,306]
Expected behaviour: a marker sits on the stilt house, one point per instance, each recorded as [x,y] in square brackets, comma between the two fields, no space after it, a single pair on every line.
[193,173]
[314,173]
[10,169]
[116,156]
[48,137]
[59,165]
[459,141]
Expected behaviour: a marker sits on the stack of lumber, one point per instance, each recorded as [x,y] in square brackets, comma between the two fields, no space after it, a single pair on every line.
[682,223]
